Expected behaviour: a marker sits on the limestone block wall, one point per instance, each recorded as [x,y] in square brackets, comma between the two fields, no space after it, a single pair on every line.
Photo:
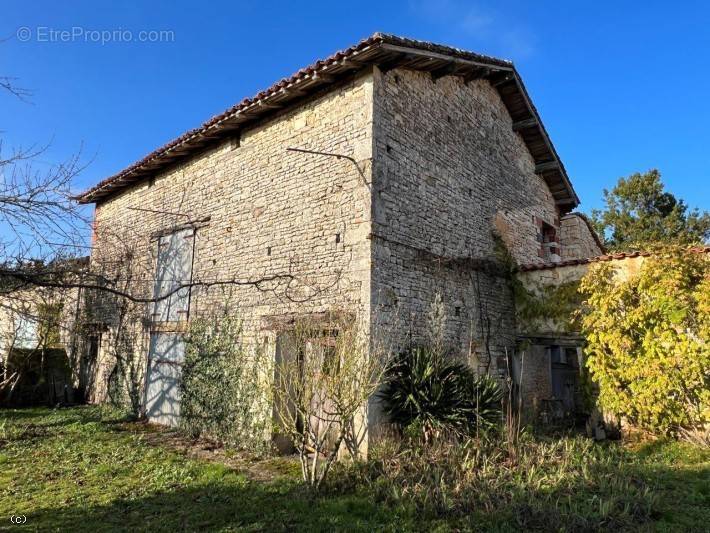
[258,211]
[577,238]
[31,305]
[449,170]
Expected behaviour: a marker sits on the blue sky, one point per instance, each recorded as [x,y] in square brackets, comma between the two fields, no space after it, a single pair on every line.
[620,86]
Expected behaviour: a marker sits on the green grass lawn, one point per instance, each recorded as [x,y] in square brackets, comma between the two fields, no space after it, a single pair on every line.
[86,469]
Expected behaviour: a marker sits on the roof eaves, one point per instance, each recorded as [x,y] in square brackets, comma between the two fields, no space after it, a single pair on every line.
[322,72]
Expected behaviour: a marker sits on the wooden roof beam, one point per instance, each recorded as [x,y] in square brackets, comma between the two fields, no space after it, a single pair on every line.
[269,105]
[291,91]
[476,74]
[414,52]
[525,124]
[391,63]
[446,70]
[505,78]
[322,77]
[547,166]
[351,63]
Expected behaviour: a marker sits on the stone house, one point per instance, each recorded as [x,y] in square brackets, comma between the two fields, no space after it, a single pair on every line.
[377,181]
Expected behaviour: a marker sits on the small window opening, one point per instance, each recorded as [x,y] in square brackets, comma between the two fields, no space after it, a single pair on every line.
[457,311]
[235,142]
[389,149]
[550,244]
[337,238]
[268,250]
[557,355]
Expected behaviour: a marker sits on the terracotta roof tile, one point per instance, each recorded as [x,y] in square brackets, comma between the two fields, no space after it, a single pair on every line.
[371,50]
[600,258]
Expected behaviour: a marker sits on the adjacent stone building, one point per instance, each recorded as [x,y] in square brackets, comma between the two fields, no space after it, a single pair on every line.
[386,177]
[41,352]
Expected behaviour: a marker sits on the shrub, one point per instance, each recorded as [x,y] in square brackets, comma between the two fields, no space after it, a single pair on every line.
[647,341]
[222,389]
[424,390]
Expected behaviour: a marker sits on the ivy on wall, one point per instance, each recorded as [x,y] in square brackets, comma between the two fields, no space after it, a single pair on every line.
[539,306]
[547,307]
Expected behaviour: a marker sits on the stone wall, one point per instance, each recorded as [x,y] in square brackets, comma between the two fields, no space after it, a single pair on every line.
[577,238]
[259,211]
[449,172]
[34,323]
[440,174]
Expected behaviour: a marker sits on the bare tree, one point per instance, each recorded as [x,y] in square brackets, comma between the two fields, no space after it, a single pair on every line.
[44,227]
[326,372]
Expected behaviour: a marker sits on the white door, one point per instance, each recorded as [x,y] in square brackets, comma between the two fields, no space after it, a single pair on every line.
[162,402]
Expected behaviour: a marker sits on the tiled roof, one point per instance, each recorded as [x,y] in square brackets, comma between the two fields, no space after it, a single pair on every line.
[600,258]
[386,51]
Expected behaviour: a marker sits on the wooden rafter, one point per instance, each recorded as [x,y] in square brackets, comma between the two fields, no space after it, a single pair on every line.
[547,166]
[524,124]
[446,70]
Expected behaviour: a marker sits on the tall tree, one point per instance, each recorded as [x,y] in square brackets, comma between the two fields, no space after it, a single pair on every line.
[639,212]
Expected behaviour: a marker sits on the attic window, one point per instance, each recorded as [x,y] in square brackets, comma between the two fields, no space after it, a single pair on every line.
[235,142]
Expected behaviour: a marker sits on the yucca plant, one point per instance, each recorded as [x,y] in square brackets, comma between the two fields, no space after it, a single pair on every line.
[426,391]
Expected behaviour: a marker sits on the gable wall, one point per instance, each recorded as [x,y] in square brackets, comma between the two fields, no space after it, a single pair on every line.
[449,170]
[576,238]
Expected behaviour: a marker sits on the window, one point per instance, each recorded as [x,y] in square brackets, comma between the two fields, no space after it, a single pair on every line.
[27,333]
[324,348]
[550,245]
[557,355]
[173,276]
[560,355]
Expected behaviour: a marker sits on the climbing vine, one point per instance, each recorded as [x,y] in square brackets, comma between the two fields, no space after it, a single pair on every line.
[537,304]
[647,341]
[552,307]
[224,387]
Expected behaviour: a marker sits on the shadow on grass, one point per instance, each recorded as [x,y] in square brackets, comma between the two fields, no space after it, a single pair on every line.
[255,506]
[666,488]
[63,416]
[249,507]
